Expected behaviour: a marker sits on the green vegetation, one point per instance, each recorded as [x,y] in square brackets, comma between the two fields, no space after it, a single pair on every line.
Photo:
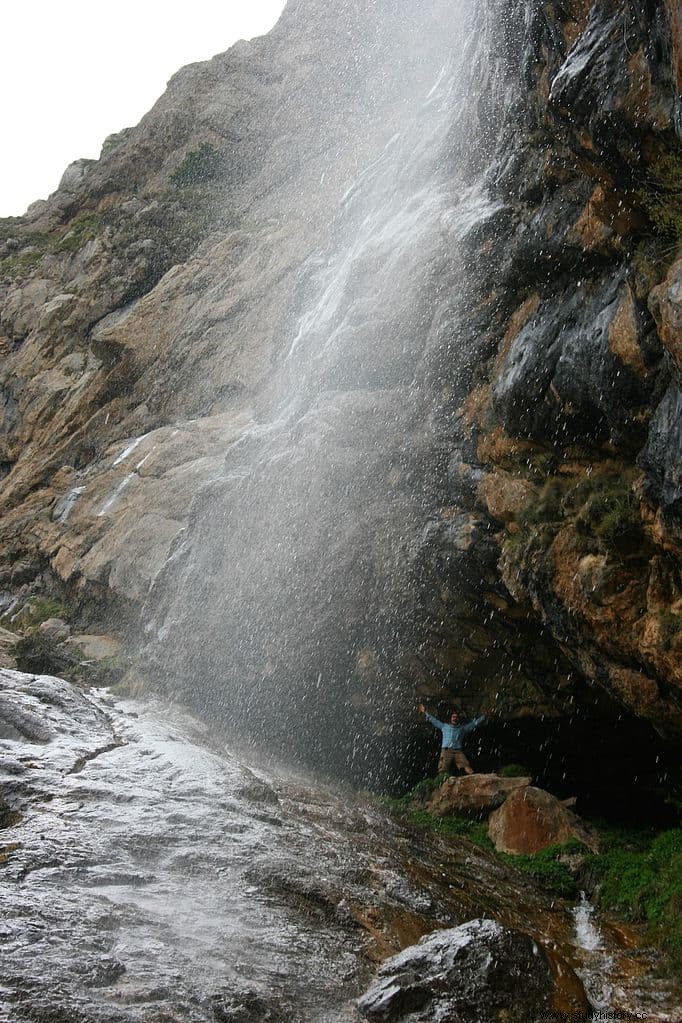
[449,827]
[611,511]
[547,868]
[421,792]
[603,509]
[641,879]
[637,874]
[661,197]
[12,267]
[202,164]
[83,228]
[34,612]
[409,808]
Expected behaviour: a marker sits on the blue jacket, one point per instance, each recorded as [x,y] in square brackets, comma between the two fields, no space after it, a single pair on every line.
[453,735]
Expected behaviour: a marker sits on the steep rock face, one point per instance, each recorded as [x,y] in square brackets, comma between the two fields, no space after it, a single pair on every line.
[582,393]
[367,390]
[152,288]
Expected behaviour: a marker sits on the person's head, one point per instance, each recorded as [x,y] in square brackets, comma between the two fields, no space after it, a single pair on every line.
[454,717]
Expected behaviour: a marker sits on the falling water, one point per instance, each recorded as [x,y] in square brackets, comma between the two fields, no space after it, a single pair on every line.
[301,558]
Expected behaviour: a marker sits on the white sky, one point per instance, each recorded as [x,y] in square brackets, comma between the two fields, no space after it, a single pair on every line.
[74,71]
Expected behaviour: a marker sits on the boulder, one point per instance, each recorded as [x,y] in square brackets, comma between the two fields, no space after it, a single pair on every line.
[531,819]
[503,495]
[96,648]
[474,794]
[55,629]
[480,972]
[665,302]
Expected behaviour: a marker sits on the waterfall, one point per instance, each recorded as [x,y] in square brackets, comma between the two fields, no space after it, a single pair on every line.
[303,559]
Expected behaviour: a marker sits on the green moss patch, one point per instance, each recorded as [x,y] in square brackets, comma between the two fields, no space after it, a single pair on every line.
[450,827]
[603,510]
[641,879]
[12,267]
[548,870]
[34,612]
[202,164]
[661,197]
[82,229]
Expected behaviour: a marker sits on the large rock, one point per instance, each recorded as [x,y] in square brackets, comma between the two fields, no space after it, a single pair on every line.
[480,972]
[474,794]
[665,302]
[531,819]
[662,456]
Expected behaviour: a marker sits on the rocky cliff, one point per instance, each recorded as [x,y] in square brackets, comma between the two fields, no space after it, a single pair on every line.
[352,375]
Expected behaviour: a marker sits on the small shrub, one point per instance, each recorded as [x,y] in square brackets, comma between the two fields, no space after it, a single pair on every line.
[83,228]
[661,197]
[202,164]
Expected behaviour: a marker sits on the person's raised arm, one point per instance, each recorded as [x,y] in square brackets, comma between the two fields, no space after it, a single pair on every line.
[429,717]
[469,727]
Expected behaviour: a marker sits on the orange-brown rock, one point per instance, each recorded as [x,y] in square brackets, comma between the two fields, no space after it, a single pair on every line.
[531,819]
[624,335]
[503,495]
[474,794]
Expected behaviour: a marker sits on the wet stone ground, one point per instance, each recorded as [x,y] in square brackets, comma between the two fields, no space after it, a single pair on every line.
[148,875]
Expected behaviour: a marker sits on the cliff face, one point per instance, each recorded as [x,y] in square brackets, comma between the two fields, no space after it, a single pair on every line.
[353,373]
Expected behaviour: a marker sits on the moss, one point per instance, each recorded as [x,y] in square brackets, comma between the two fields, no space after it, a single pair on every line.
[419,794]
[35,611]
[547,869]
[642,880]
[603,509]
[83,228]
[37,244]
[409,808]
[450,827]
[611,512]
[202,164]
[12,267]
[43,608]
[661,197]
[547,506]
